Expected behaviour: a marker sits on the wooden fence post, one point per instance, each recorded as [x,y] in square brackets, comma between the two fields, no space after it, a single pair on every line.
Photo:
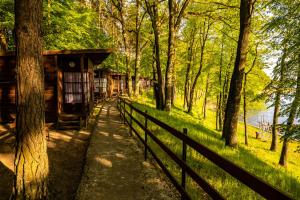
[124,111]
[183,173]
[119,107]
[146,136]
[130,121]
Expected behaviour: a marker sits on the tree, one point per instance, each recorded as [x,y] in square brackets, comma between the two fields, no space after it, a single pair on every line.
[175,17]
[152,10]
[284,30]
[278,93]
[293,111]
[190,56]
[204,30]
[245,94]
[31,160]
[138,23]
[234,97]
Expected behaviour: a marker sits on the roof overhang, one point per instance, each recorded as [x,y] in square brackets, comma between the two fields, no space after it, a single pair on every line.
[97,56]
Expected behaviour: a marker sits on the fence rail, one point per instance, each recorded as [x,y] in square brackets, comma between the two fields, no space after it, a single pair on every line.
[256,184]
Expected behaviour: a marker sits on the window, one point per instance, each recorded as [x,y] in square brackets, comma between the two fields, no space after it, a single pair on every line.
[103,85]
[73,87]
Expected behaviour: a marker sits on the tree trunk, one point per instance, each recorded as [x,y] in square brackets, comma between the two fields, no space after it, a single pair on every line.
[137,51]
[234,97]
[224,99]
[205,96]
[187,79]
[203,43]
[292,115]
[153,12]
[245,111]
[173,92]
[188,70]
[219,102]
[31,160]
[170,60]
[275,122]
[174,22]
[277,105]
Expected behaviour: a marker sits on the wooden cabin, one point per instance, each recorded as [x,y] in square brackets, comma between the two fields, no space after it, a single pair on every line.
[109,83]
[69,83]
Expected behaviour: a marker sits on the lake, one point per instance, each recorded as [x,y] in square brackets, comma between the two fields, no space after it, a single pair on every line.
[254,117]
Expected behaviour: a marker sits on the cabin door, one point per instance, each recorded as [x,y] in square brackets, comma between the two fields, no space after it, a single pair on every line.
[73,91]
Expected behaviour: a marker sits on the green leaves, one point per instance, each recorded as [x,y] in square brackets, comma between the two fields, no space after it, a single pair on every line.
[70,25]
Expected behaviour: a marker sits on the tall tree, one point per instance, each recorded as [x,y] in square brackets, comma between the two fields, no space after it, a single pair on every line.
[234,97]
[137,63]
[278,94]
[187,83]
[31,160]
[120,17]
[245,95]
[293,111]
[204,30]
[176,13]
[152,10]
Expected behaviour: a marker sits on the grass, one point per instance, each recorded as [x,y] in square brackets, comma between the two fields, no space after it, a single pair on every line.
[255,158]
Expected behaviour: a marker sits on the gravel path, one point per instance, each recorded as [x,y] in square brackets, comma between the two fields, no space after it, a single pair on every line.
[115,168]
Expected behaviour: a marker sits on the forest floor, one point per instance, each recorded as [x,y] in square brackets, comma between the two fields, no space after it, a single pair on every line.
[115,168]
[66,153]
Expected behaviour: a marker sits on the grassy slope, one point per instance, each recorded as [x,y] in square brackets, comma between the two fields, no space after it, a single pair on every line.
[255,158]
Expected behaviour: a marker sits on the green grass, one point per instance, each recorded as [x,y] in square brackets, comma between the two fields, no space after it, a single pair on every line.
[255,158]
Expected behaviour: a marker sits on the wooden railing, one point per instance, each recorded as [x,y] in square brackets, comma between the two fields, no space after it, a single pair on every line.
[256,184]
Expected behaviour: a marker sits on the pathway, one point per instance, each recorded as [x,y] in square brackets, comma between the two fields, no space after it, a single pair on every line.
[115,168]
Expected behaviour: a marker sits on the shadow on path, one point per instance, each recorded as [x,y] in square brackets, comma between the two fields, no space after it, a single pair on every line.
[115,168]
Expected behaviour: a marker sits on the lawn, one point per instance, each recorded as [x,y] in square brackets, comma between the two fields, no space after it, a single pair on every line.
[255,158]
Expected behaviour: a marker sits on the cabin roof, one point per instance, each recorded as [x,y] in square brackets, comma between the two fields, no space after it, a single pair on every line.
[96,55]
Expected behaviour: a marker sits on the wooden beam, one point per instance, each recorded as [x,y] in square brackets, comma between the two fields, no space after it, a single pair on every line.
[82,84]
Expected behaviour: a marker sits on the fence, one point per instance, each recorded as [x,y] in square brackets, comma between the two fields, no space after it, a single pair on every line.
[250,180]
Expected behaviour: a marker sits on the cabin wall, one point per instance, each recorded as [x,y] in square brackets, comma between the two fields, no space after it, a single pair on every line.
[91,79]
[8,88]
[50,71]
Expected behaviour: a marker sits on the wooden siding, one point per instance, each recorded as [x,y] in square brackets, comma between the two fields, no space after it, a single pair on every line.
[8,88]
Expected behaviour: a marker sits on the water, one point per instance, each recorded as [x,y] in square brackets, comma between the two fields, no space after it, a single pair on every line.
[254,117]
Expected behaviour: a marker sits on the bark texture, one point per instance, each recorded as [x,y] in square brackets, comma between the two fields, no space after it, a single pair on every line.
[234,97]
[31,160]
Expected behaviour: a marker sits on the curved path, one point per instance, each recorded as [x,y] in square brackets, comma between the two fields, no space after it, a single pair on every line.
[115,168]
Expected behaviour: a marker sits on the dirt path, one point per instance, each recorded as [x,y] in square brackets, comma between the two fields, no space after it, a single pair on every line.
[115,168]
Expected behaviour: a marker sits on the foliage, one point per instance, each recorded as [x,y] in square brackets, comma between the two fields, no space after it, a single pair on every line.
[7,21]
[69,25]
